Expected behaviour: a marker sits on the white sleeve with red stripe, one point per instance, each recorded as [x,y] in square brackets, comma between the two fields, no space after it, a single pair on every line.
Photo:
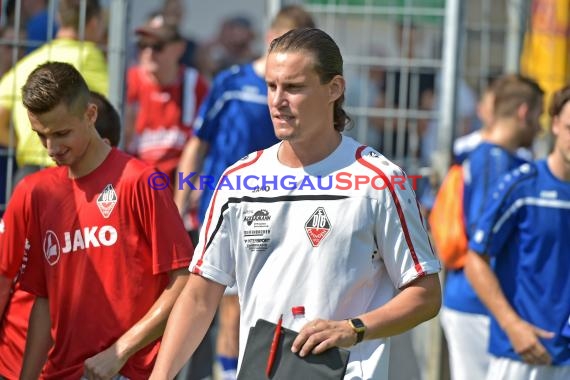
[214,257]
[401,235]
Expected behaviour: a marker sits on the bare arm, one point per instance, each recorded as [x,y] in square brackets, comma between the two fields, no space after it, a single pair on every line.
[191,161]
[38,341]
[5,286]
[107,363]
[187,325]
[523,336]
[415,304]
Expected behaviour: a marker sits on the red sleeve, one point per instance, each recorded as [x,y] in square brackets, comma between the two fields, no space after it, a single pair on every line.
[33,271]
[13,231]
[161,223]
[133,85]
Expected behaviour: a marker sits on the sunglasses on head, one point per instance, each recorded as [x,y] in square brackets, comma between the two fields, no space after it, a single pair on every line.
[156,47]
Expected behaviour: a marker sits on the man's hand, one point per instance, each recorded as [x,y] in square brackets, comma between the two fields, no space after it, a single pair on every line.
[319,335]
[104,365]
[525,340]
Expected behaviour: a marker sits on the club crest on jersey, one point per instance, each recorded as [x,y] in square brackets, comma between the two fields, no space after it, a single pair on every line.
[318,226]
[52,249]
[107,201]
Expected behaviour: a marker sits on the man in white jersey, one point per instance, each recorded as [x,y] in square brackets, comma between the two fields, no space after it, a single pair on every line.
[291,226]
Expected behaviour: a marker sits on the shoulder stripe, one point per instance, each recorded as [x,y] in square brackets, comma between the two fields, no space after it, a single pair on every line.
[236,95]
[213,201]
[399,209]
[529,201]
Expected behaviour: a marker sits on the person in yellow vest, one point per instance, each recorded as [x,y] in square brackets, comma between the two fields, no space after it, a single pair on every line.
[66,47]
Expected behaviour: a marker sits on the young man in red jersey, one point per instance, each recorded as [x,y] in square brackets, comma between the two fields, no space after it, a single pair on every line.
[16,304]
[107,255]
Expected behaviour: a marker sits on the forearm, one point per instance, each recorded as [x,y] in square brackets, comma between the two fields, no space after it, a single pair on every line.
[415,304]
[151,326]
[187,325]
[38,341]
[487,287]
[5,286]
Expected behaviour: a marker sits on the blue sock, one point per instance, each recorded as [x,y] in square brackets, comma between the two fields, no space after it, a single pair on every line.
[227,363]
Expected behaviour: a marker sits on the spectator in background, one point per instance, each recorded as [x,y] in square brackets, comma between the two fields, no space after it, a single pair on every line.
[16,304]
[66,47]
[527,289]
[174,12]
[11,42]
[163,97]
[37,23]
[232,46]
[233,121]
[516,111]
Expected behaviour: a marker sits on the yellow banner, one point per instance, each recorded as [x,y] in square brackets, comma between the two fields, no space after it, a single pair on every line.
[546,52]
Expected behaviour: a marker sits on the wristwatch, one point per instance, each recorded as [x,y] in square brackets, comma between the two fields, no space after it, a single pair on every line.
[358,328]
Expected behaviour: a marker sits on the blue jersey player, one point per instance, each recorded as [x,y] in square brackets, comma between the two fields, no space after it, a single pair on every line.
[516,111]
[525,231]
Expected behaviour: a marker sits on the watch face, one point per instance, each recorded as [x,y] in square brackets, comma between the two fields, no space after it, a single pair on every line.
[357,323]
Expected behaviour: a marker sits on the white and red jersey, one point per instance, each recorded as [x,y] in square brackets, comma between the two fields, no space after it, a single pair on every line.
[165,115]
[13,244]
[295,240]
[101,247]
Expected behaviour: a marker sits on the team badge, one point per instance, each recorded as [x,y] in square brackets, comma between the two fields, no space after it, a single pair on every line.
[318,226]
[52,250]
[107,201]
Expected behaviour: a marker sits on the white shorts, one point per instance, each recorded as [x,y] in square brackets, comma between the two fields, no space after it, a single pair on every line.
[508,369]
[467,338]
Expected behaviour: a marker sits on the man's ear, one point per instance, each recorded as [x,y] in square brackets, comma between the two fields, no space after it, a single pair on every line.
[91,113]
[522,111]
[336,87]
[555,130]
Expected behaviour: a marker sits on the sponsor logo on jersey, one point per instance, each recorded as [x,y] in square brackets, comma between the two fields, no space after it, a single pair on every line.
[52,250]
[318,226]
[107,201]
[256,234]
[79,239]
[261,215]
